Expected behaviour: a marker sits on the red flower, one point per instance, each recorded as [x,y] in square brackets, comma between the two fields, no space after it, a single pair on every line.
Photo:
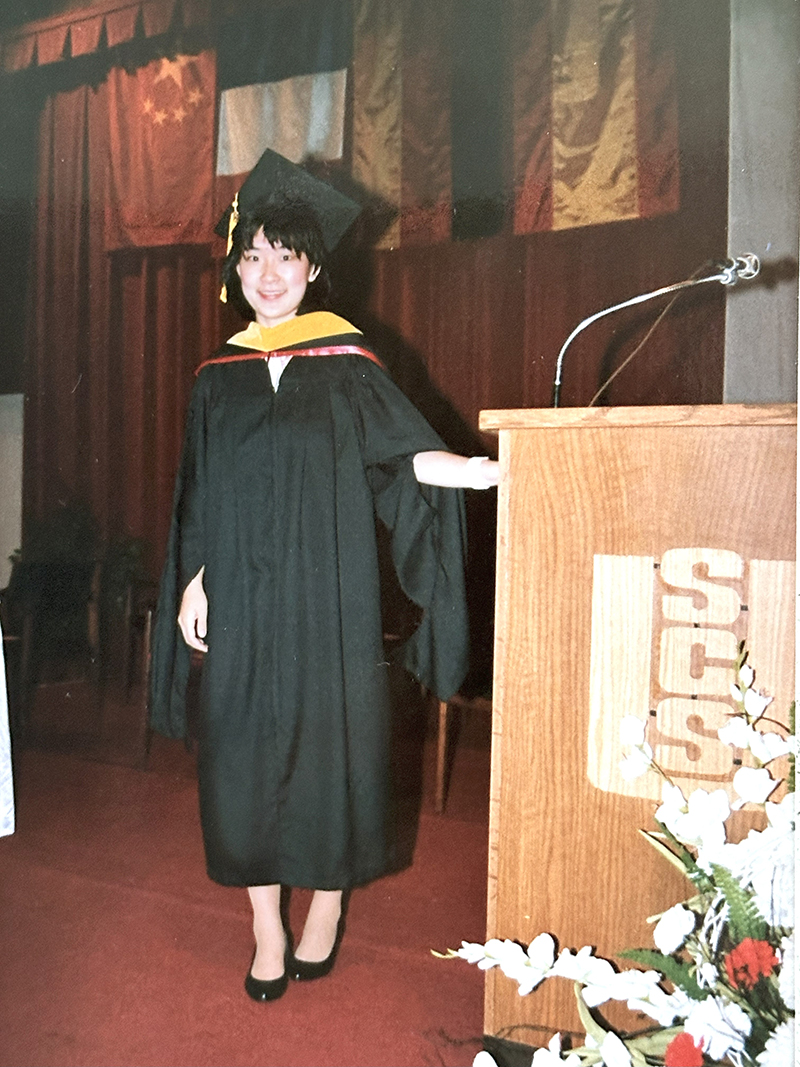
[682,1052]
[749,961]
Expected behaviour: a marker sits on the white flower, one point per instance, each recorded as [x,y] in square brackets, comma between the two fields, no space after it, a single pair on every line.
[620,985]
[527,968]
[781,815]
[614,1052]
[764,746]
[538,964]
[673,805]
[786,974]
[779,1049]
[632,731]
[546,1057]
[698,821]
[746,675]
[764,862]
[755,704]
[673,928]
[636,763]
[707,975]
[661,1006]
[475,953]
[721,1026]
[736,732]
[542,952]
[769,746]
[753,784]
[483,1059]
[583,967]
[508,955]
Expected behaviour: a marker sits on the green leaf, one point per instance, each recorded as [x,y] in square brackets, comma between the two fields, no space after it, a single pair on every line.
[588,1056]
[688,865]
[790,775]
[654,1043]
[667,853]
[638,1058]
[676,971]
[744,918]
[590,1024]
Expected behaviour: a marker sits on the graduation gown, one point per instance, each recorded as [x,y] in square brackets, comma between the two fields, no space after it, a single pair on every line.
[277,496]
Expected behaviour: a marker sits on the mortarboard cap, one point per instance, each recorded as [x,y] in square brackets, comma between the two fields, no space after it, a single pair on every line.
[275,179]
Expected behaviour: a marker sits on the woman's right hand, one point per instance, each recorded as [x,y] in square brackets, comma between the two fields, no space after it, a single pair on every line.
[193,615]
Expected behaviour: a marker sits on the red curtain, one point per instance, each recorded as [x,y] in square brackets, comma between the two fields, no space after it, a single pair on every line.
[114,340]
[66,419]
[468,325]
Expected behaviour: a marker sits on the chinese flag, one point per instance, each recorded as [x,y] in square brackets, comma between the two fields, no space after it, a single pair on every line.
[161,143]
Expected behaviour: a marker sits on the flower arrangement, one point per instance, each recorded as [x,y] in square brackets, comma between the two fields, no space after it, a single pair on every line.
[727,954]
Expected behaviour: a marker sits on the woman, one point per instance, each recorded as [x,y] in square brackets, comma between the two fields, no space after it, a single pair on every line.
[296,438]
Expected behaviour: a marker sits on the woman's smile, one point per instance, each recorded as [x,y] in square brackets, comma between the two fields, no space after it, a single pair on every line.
[274,280]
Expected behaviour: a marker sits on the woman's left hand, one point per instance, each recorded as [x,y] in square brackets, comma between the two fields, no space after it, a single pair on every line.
[458,472]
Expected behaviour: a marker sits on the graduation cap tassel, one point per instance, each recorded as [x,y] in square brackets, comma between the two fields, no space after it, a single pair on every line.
[233,218]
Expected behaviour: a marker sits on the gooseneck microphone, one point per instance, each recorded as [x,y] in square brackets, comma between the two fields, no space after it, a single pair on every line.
[729,272]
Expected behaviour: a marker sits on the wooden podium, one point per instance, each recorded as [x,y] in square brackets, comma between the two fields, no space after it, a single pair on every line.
[636,548]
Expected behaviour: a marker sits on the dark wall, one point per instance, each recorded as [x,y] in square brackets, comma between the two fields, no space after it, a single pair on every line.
[18,124]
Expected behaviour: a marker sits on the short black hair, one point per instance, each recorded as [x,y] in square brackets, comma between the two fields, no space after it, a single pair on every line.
[293,224]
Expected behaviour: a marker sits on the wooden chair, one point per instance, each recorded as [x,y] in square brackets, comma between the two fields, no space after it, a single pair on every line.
[460,702]
[137,620]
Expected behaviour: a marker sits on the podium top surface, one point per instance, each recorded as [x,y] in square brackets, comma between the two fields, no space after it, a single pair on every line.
[662,415]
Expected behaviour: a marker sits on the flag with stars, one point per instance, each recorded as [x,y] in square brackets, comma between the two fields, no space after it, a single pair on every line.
[161,152]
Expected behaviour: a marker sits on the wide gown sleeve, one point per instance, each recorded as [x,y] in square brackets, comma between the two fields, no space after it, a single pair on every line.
[428,530]
[171,656]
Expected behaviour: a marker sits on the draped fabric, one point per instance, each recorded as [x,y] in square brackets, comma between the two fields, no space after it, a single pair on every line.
[595,135]
[581,96]
[559,113]
[463,325]
[161,146]
[114,338]
[377,115]
[67,385]
[103,23]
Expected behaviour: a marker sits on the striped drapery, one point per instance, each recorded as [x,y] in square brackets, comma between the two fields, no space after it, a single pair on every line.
[585,104]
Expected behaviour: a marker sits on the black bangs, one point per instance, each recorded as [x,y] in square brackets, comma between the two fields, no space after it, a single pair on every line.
[289,223]
[292,224]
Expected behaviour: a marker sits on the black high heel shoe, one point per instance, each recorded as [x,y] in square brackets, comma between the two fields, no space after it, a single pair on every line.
[263,990]
[308,970]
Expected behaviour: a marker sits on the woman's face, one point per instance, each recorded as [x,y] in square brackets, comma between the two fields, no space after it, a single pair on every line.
[274,280]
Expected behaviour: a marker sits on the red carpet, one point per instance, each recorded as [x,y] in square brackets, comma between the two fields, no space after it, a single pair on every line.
[118,950]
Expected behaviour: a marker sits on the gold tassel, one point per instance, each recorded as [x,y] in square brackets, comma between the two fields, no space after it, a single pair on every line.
[233,218]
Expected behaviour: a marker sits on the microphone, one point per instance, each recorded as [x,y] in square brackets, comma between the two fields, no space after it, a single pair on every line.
[729,272]
[744,267]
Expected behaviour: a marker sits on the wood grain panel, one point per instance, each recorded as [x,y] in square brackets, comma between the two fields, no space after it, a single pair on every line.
[661,415]
[565,856]
[620,665]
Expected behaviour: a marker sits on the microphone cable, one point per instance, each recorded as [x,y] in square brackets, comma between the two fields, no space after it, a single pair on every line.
[659,319]
[729,272]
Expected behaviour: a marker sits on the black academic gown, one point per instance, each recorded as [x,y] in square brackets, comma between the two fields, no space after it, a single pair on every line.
[276,497]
